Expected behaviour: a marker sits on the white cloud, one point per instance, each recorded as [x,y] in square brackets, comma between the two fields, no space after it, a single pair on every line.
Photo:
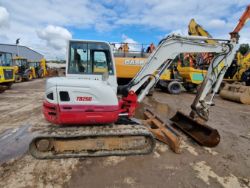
[4,17]
[216,16]
[77,13]
[183,32]
[55,36]
[133,45]
[245,35]
[29,19]
[126,39]
[216,23]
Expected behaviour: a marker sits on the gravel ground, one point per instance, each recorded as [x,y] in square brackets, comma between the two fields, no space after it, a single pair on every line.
[227,165]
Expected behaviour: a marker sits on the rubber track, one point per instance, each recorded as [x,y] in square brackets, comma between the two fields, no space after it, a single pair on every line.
[91,131]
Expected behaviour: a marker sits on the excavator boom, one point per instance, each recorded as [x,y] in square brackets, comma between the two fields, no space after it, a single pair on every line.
[197,30]
[243,19]
[167,50]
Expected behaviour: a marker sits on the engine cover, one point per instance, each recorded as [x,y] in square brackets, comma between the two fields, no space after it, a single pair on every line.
[80,101]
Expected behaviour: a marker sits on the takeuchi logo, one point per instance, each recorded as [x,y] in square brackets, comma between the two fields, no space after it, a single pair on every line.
[84,99]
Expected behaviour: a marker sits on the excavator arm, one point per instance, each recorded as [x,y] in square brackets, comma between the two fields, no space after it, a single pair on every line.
[212,82]
[194,29]
[243,19]
[163,57]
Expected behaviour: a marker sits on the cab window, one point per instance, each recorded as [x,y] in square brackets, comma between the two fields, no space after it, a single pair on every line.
[100,62]
[6,59]
[89,58]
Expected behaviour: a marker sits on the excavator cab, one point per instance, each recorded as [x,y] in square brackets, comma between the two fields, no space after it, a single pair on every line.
[83,89]
[6,71]
[91,60]
[84,58]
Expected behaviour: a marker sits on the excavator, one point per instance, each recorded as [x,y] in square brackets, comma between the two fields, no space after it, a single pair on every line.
[194,73]
[38,68]
[88,118]
[238,92]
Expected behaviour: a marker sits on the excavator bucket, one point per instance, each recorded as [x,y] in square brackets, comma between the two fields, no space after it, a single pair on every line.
[236,92]
[201,133]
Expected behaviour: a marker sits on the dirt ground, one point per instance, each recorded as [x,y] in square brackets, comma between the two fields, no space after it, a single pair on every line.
[227,165]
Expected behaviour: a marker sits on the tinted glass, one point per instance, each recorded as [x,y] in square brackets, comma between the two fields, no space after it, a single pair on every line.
[6,59]
[89,58]
[20,62]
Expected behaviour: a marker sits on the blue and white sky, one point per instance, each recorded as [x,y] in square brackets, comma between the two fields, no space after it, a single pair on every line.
[46,25]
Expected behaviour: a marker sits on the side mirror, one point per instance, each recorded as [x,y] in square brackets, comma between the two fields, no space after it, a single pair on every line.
[105,76]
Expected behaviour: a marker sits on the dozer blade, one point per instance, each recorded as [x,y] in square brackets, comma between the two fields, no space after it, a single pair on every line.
[236,92]
[162,131]
[201,133]
[92,141]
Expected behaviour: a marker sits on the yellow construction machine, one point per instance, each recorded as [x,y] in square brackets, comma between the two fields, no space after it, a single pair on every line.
[7,77]
[23,72]
[43,67]
[38,68]
[239,71]
[236,91]
[190,71]
[194,72]
[128,63]
[237,77]
[197,30]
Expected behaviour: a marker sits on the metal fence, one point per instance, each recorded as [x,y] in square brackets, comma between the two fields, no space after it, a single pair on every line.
[129,50]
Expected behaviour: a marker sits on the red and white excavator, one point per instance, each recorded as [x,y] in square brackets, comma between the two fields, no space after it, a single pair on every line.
[92,120]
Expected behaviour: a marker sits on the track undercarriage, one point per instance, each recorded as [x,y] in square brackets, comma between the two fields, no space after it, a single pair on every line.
[92,141]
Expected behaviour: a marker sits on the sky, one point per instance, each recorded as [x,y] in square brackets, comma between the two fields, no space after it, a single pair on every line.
[46,25]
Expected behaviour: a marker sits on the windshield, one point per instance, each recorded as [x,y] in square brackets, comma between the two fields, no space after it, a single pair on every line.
[5,59]
[89,58]
[20,62]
